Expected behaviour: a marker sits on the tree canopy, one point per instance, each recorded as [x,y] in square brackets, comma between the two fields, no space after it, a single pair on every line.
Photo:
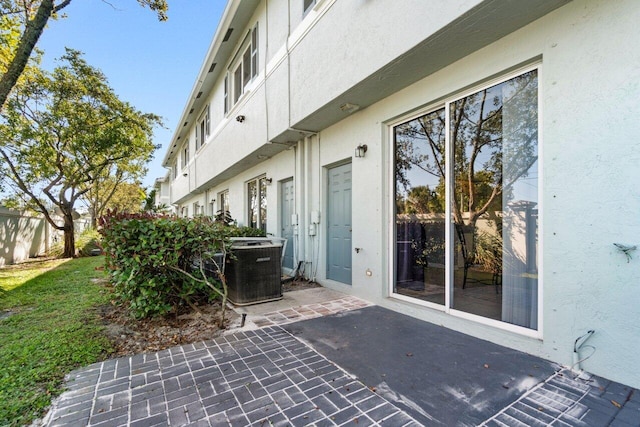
[64,131]
[29,18]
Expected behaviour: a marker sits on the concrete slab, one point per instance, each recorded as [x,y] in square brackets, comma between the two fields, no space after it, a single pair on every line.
[290,300]
[438,376]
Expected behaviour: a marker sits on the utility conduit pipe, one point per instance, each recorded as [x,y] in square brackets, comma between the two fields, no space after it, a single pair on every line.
[577,346]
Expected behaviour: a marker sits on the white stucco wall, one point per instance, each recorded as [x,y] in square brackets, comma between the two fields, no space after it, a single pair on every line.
[370,35]
[589,151]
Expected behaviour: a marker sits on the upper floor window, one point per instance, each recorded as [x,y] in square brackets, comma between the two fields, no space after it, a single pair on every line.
[244,68]
[307,5]
[226,94]
[185,154]
[175,169]
[203,128]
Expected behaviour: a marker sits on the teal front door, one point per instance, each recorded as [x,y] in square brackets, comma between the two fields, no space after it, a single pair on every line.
[339,224]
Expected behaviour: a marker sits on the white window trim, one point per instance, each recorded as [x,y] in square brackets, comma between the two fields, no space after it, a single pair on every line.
[222,195]
[204,122]
[309,8]
[234,90]
[446,308]
[255,180]
[185,155]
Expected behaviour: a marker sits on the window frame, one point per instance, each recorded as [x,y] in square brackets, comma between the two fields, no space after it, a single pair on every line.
[446,102]
[242,70]
[203,128]
[309,6]
[260,183]
[223,199]
[184,153]
[226,93]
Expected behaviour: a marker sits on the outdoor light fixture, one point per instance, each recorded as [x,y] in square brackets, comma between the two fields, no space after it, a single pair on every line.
[268,180]
[361,149]
[184,174]
[240,118]
[349,107]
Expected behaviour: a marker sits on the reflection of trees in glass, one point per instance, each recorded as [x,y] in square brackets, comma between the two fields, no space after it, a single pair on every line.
[263,204]
[480,147]
[420,144]
[421,199]
[253,204]
[257,190]
[494,134]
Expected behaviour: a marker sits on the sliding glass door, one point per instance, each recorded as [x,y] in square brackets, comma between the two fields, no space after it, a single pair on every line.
[470,166]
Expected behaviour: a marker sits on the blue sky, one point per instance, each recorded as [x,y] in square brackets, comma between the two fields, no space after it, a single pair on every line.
[150,64]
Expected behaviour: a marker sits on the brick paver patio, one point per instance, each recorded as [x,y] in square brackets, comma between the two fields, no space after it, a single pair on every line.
[263,377]
[268,377]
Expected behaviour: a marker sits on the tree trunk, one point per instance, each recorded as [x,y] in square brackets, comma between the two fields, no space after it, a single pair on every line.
[94,218]
[69,237]
[29,38]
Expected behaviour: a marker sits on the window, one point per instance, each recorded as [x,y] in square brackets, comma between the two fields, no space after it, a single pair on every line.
[226,94]
[257,192]
[489,186]
[307,5]
[243,68]
[185,154]
[223,201]
[203,128]
[223,213]
[175,169]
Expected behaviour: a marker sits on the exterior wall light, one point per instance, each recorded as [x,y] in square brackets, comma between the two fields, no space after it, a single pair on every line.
[184,174]
[240,118]
[361,149]
[349,107]
[268,180]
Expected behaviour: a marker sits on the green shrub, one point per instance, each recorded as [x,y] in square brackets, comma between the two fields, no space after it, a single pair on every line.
[151,257]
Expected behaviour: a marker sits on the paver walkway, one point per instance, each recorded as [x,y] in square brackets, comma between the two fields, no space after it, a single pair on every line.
[565,401]
[270,376]
[262,378]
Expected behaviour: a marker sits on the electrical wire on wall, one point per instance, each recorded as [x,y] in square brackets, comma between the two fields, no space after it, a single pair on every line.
[578,345]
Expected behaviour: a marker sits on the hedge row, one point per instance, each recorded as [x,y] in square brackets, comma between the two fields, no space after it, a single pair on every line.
[150,259]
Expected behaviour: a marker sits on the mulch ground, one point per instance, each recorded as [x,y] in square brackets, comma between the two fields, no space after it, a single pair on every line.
[130,336]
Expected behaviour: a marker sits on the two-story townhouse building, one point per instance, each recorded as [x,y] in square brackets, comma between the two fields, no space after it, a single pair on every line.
[468,163]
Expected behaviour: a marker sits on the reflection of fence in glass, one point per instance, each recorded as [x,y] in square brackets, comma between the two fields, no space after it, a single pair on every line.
[493,200]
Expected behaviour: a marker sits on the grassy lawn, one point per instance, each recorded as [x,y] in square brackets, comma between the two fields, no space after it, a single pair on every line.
[52,327]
